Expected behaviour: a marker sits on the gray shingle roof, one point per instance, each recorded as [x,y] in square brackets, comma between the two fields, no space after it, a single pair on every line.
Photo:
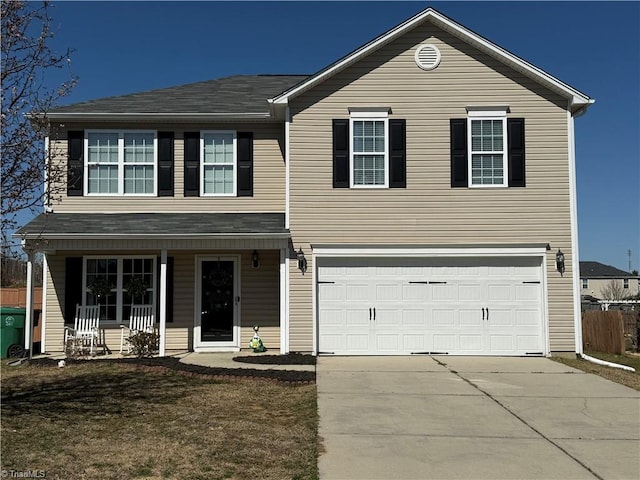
[231,95]
[599,270]
[71,225]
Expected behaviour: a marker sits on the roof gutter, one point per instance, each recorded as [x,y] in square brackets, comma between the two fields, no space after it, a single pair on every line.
[159,236]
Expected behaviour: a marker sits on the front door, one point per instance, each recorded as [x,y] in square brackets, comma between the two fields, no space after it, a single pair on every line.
[216,313]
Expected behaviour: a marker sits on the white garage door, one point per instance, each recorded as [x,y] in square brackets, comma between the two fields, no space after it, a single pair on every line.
[487,306]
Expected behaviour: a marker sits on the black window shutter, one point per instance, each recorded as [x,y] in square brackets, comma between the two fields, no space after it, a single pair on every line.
[165,164]
[515,135]
[191,164]
[397,153]
[245,164]
[72,287]
[169,290]
[459,162]
[341,154]
[75,163]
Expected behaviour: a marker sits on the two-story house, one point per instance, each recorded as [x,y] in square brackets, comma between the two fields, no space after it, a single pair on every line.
[598,280]
[410,198]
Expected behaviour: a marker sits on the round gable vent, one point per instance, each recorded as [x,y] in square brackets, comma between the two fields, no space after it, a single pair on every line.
[427,57]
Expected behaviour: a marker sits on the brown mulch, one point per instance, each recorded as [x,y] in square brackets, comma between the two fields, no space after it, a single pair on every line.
[174,365]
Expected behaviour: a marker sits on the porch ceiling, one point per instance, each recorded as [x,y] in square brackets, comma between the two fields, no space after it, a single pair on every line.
[154,226]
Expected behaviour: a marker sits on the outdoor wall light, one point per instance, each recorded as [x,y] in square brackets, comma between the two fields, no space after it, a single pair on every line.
[255,259]
[302,261]
[560,262]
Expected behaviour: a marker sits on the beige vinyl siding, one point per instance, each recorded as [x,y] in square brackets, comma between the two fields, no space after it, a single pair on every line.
[430,212]
[260,298]
[268,175]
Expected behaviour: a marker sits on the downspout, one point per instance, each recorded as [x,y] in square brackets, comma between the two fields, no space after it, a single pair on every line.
[605,363]
[573,209]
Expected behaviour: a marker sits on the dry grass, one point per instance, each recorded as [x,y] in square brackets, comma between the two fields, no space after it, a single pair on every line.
[630,379]
[105,421]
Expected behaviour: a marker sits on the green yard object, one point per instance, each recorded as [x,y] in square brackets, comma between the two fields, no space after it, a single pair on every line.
[12,332]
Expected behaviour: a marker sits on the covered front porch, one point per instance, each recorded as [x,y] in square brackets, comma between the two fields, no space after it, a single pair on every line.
[209,277]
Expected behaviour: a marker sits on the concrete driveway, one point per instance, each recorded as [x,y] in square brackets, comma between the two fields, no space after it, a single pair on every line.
[473,418]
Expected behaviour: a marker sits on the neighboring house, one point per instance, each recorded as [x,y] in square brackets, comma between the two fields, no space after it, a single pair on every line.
[597,279]
[409,198]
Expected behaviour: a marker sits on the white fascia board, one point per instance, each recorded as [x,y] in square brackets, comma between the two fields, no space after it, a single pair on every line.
[433,251]
[577,98]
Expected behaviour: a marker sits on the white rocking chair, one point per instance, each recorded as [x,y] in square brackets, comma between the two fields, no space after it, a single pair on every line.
[140,320]
[85,332]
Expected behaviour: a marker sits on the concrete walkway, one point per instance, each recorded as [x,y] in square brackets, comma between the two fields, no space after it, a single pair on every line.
[473,418]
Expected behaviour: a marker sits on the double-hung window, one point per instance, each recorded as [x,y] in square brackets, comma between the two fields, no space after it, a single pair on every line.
[219,163]
[369,149]
[120,162]
[487,152]
[116,283]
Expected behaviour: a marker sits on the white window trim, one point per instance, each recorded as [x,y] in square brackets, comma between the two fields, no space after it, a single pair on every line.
[499,113]
[234,193]
[119,282]
[373,115]
[121,164]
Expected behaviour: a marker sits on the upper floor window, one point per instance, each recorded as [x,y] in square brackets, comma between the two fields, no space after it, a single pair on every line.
[369,149]
[625,283]
[219,160]
[487,149]
[120,162]
[487,132]
[585,283]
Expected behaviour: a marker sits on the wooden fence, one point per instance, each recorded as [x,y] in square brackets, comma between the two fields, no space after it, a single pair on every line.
[603,331]
[17,297]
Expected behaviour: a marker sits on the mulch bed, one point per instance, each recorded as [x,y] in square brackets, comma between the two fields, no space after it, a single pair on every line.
[288,359]
[173,364]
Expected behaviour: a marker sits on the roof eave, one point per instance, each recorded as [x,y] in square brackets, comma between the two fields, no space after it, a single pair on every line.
[174,117]
[159,236]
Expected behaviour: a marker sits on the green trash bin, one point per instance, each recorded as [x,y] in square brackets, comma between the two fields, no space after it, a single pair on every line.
[12,331]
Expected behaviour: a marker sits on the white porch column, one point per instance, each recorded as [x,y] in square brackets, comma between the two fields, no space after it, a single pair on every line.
[284,301]
[163,301]
[43,313]
[28,319]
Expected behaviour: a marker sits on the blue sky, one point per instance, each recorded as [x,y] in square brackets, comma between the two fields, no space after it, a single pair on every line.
[125,47]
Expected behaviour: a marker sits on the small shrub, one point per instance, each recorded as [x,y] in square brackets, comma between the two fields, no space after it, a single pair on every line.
[144,344]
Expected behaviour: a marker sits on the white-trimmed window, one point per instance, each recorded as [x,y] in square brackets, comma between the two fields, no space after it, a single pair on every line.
[219,162]
[585,283]
[487,148]
[120,162]
[625,283]
[369,162]
[116,283]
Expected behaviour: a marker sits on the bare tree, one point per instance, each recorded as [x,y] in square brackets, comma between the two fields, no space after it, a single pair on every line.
[614,290]
[26,99]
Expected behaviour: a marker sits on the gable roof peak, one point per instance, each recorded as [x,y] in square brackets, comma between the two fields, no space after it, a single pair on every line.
[578,101]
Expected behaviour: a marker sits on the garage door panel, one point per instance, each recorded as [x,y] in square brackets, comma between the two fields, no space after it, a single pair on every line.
[357,317]
[469,293]
[499,292]
[388,292]
[443,317]
[444,293]
[414,292]
[471,344]
[357,292]
[357,343]
[527,318]
[445,343]
[414,318]
[470,317]
[388,343]
[501,344]
[529,343]
[499,318]
[331,293]
[527,292]
[415,343]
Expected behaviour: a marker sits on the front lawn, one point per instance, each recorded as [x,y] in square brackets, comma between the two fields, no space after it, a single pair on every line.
[630,379]
[103,420]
